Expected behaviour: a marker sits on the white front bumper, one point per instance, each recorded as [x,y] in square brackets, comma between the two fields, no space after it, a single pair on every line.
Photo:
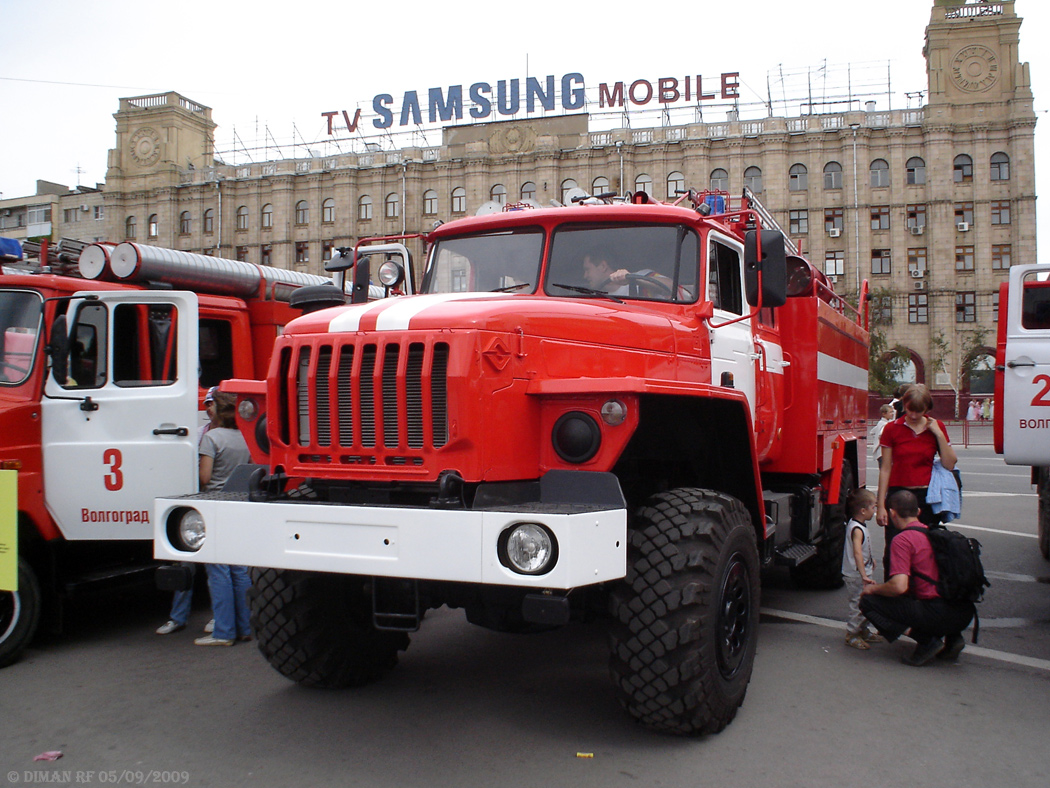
[424,544]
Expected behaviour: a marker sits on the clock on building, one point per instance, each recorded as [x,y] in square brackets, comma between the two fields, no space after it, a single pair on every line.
[975,68]
[145,146]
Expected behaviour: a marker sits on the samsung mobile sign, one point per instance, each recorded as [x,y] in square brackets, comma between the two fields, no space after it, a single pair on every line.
[483,100]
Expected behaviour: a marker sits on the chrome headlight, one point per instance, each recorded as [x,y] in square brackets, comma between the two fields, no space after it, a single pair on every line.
[528,549]
[186,529]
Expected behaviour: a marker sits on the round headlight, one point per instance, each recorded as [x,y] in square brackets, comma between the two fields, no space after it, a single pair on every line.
[576,437]
[390,273]
[528,549]
[614,412]
[247,409]
[189,530]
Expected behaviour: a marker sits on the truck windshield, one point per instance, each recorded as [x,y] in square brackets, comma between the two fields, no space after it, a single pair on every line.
[656,262]
[504,261]
[20,314]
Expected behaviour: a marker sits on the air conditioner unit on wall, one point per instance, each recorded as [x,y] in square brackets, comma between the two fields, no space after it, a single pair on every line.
[917,273]
[918,285]
[85,207]
[918,229]
[833,279]
[834,232]
[963,227]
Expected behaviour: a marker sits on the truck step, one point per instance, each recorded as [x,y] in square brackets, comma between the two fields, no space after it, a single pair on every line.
[794,554]
[112,577]
[395,604]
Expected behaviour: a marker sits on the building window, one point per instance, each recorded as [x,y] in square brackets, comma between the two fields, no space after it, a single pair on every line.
[600,186]
[880,261]
[966,307]
[302,212]
[327,248]
[882,310]
[392,206]
[498,194]
[753,179]
[880,217]
[915,171]
[328,211]
[963,258]
[963,169]
[364,208]
[1001,254]
[209,221]
[675,185]
[430,203]
[835,263]
[242,218]
[880,173]
[832,175]
[130,226]
[798,178]
[265,254]
[964,213]
[528,191]
[918,308]
[100,213]
[267,217]
[242,253]
[152,228]
[38,214]
[302,252]
[917,260]
[833,219]
[916,218]
[1001,212]
[643,183]
[1000,167]
[70,215]
[719,180]
[185,223]
[799,222]
[459,200]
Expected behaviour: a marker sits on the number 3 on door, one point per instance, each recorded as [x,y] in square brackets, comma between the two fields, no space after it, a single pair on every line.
[114,480]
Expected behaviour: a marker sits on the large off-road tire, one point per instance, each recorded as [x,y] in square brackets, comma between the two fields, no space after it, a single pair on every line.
[686,615]
[1044,511]
[19,615]
[316,629]
[824,570]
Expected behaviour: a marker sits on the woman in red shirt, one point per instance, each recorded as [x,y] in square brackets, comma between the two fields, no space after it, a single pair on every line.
[909,446]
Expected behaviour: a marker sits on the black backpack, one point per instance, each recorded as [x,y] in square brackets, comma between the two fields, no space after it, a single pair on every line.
[959,565]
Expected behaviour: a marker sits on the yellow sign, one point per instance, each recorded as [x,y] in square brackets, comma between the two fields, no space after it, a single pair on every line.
[8,530]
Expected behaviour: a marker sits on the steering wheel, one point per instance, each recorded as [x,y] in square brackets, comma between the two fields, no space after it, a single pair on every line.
[636,282]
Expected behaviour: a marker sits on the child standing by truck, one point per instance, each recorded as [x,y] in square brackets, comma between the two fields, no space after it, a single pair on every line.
[858,566]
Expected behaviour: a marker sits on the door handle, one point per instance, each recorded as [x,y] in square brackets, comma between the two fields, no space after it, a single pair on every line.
[182,432]
[1012,364]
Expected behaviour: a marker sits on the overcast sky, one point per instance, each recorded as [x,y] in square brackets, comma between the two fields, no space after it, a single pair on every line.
[278,66]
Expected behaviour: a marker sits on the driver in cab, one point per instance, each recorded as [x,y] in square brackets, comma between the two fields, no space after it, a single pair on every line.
[601,276]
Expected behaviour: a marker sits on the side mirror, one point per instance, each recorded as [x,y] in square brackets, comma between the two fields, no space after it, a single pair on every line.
[58,350]
[771,262]
[362,274]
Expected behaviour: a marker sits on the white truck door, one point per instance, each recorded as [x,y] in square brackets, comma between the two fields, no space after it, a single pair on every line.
[733,352]
[120,428]
[1025,410]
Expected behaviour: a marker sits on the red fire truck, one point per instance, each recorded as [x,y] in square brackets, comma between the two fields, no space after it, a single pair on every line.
[1022,381]
[116,423]
[621,407]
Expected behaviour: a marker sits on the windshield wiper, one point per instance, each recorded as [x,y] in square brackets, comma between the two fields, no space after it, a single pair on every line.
[509,288]
[589,291]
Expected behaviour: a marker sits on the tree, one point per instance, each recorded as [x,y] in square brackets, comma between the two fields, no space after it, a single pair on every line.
[958,366]
[885,364]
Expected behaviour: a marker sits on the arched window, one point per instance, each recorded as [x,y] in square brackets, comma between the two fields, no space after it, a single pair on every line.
[498,194]
[1000,167]
[528,190]
[643,183]
[459,200]
[242,217]
[209,221]
[152,226]
[753,179]
[719,180]
[600,185]
[302,212]
[364,208]
[675,184]
[915,171]
[392,205]
[798,178]
[328,211]
[832,175]
[185,223]
[267,217]
[567,185]
[880,173]
[430,203]
[130,227]
[963,169]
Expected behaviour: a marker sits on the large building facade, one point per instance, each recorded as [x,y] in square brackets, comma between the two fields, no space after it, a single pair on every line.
[931,204]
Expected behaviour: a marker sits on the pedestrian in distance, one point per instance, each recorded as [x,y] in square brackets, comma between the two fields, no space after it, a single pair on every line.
[909,601]
[858,566]
[886,415]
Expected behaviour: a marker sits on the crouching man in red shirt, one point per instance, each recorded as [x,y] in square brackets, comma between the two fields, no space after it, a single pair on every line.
[908,601]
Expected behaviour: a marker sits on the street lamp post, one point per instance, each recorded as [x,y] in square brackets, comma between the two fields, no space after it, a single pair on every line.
[856,210]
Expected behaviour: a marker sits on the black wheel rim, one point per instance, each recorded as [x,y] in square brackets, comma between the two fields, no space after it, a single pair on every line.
[734,617]
[9,606]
